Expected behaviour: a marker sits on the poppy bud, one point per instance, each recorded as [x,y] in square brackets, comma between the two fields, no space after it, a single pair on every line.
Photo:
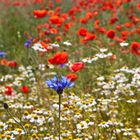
[5,105]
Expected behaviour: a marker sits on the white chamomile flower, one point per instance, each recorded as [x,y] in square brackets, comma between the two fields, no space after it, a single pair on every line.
[53,45]
[3,126]
[67,43]
[124,44]
[18,131]
[103,50]
[41,67]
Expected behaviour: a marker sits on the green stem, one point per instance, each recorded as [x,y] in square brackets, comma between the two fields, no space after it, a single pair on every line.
[59,116]
[19,123]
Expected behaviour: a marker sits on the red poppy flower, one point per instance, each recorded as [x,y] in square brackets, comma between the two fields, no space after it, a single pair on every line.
[124,34]
[53,31]
[58,9]
[113,20]
[51,12]
[135,48]
[72,76]
[12,64]
[50,4]
[39,1]
[127,0]
[58,38]
[101,30]
[68,25]
[138,6]
[89,36]
[56,20]
[89,15]
[82,32]
[77,66]
[40,13]
[72,11]
[119,27]
[119,40]
[59,58]
[83,20]
[128,24]
[4,62]
[25,89]
[17,3]
[138,30]
[8,91]
[96,24]
[58,1]
[119,3]
[46,46]
[135,20]
[111,34]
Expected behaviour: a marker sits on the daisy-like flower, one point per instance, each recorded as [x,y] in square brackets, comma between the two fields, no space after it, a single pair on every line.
[3,126]
[18,131]
[67,43]
[82,125]
[53,45]
[59,85]
[124,44]
[37,119]
[103,50]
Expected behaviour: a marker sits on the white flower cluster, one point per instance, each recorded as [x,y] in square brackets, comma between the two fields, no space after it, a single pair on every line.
[39,47]
[103,54]
[124,44]
[54,45]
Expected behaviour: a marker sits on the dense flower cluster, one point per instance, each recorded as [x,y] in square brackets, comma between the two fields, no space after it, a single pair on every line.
[113,99]
[86,49]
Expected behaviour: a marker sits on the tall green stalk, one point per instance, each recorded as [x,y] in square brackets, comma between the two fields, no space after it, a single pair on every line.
[59,125]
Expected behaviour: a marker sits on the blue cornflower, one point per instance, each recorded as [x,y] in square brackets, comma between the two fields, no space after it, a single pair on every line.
[27,43]
[2,54]
[59,85]
[62,65]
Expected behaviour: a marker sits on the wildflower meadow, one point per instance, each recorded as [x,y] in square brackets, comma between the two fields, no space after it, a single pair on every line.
[69,69]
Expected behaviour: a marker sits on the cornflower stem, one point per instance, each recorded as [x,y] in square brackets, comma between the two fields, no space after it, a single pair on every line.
[19,123]
[59,127]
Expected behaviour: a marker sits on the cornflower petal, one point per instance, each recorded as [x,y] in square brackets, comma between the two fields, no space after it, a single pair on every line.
[59,85]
